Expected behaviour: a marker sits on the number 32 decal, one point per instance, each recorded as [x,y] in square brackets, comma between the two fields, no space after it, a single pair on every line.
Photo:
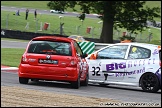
[96,71]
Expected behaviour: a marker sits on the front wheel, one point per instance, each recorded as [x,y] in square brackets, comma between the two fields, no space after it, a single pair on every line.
[23,80]
[150,83]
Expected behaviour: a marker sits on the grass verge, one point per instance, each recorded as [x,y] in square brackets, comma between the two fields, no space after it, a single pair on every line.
[71,26]
[11,56]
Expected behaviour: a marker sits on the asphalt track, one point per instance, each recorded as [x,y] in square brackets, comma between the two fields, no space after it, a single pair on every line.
[121,93]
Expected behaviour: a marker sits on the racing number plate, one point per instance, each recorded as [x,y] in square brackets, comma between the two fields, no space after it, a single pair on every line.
[48,61]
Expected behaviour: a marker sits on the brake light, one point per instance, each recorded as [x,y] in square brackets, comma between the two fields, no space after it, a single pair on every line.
[24,60]
[73,63]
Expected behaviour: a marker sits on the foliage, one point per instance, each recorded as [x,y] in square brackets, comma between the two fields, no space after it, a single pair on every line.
[82,16]
[123,14]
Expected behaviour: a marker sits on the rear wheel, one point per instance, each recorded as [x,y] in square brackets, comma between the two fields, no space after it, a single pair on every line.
[76,84]
[23,80]
[150,83]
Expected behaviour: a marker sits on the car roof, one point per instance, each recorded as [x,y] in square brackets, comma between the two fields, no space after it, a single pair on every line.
[53,38]
[138,44]
[75,36]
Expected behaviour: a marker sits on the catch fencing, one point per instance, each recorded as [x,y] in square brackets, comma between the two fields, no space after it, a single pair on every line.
[12,22]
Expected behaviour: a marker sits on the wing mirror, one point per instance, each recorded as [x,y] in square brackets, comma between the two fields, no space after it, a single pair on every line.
[84,55]
[93,56]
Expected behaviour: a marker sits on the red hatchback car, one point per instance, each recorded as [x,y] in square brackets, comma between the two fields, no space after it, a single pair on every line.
[54,59]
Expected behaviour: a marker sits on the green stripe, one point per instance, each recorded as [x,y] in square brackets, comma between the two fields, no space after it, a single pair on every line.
[87,47]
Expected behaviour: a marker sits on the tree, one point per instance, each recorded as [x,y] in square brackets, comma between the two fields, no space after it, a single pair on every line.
[124,14]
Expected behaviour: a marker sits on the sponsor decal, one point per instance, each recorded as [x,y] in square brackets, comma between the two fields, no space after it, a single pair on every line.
[32,60]
[155,52]
[129,64]
[115,66]
[130,73]
[48,56]
[134,49]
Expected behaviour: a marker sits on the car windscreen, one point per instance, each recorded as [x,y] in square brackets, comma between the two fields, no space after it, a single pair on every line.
[50,47]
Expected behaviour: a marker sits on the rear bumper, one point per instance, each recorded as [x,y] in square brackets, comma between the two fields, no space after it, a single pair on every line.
[48,73]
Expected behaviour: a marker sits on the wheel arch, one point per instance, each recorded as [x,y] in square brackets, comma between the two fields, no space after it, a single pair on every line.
[145,74]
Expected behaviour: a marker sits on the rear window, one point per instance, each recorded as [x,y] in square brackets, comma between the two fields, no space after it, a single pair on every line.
[50,47]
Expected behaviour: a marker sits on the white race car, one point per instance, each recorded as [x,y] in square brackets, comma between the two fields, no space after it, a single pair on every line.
[56,11]
[132,64]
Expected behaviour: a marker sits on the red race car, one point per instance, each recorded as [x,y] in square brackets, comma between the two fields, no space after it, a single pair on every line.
[54,58]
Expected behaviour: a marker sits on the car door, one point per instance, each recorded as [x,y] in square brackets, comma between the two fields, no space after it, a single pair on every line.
[109,64]
[137,61]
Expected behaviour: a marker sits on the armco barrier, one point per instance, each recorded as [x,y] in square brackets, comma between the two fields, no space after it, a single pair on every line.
[29,35]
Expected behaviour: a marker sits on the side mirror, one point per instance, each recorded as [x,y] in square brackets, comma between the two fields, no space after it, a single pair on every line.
[84,55]
[93,56]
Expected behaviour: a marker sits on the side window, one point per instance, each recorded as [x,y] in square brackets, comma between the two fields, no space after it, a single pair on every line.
[113,52]
[78,49]
[136,52]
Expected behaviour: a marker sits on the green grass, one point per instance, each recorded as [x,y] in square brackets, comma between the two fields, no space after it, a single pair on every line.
[33,4]
[43,4]
[26,4]
[19,23]
[156,42]
[70,26]
[71,23]
[11,56]
[10,39]
[152,4]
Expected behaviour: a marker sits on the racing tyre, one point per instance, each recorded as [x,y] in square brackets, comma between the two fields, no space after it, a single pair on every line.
[85,82]
[150,83]
[23,80]
[76,84]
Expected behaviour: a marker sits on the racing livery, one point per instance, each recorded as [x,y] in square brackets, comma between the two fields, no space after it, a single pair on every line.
[133,64]
[53,58]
